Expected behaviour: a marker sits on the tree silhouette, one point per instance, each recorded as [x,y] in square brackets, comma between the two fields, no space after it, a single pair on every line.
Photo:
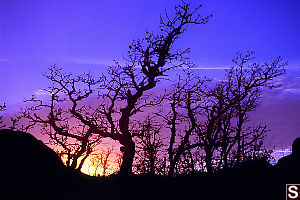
[181,98]
[101,163]
[122,92]
[61,115]
[149,148]
[2,108]
[235,97]
[213,115]
[153,54]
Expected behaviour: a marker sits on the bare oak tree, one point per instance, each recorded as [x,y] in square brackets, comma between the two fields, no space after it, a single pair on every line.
[123,91]
[149,147]
[181,118]
[60,115]
[154,56]
[231,101]
[215,114]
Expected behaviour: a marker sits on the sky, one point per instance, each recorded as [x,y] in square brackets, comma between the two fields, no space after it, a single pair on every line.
[83,35]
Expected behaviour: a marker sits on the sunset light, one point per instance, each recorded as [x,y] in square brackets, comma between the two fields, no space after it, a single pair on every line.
[160,99]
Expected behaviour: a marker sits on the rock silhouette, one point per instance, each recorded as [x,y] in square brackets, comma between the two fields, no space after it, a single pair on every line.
[30,169]
[287,170]
[290,165]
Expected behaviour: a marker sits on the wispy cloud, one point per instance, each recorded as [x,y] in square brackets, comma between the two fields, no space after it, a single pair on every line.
[292,90]
[109,62]
[41,92]
[93,61]
[196,68]
[290,85]
[4,60]
[210,68]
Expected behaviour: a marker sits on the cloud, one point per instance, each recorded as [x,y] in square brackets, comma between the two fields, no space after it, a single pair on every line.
[197,68]
[292,90]
[279,153]
[94,61]
[210,68]
[290,85]
[4,60]
[109,62]
[41,93]
[280,110]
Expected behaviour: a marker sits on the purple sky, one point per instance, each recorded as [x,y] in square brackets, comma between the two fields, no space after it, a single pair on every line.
[83,35]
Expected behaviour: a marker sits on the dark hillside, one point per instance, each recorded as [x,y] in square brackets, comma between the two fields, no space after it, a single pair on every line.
[31,170]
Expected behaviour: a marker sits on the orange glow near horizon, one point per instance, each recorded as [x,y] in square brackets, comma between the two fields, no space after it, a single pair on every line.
[93,167]
[94,164]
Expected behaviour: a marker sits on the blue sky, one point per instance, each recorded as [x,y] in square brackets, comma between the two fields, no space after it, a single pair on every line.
[82,35]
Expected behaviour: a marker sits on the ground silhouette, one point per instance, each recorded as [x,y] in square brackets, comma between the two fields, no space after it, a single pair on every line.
[31,170]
